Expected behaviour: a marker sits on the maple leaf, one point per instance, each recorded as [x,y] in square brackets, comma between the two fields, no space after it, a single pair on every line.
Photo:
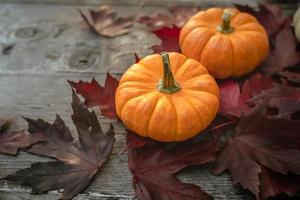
[290,76]
[258,140]
[179,15]
[104,22]
[96,95]
[234,101]
[269,15]
[78,161]
[286,99]
[284,55]
[12,141]
[154,168]
[274,183]
[169,37]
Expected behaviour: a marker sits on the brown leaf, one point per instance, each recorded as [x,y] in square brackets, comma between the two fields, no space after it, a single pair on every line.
[154,168]
[286,99]
[12,141]
[77,161]
[178,17]
[284,55]
[105,22]
[274,183]
[260,141]
[96,95]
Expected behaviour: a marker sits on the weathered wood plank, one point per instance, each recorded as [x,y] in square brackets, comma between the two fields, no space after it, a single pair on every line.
[37,43]
[149,2]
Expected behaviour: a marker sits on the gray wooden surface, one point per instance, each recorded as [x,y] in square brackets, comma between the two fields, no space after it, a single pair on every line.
[40,43]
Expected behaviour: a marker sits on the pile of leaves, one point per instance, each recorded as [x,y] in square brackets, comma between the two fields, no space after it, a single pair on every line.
[254,137]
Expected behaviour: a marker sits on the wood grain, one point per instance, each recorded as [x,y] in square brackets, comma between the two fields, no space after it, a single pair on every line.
[37,42]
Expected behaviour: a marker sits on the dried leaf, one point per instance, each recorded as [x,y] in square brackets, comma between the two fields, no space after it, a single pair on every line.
[78,161]
[105,22]
[286,99]
[260,141]
[284,55]
[274,183]
[178,17]
[169,37]
[96,95]
[154,168]
[12,141]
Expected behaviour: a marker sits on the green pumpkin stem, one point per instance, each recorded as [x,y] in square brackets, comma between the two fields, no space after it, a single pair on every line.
[225,27]
[167,84]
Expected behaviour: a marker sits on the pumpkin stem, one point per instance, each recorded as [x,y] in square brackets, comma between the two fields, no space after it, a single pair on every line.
[167,84]
[225,27]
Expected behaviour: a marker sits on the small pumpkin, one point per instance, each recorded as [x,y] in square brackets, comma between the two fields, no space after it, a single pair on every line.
[296,23]
[226,41]
[154,103]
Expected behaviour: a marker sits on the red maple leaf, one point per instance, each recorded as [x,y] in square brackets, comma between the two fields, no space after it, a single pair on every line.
[12,141]
[170,40]
[271,142]
[96,95]
[234,100]
[76,161]
[154,168]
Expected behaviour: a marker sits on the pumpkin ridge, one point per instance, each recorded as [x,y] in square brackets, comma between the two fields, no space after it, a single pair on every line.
[233,56]
[151,116]
[193,90]
[185,84]
[147,71]
[257,49]
[199,116]
[197,29]
[139,96]
[132,73]
[205,105]
[176,117]
[146,86]
[205,45]
[188,91]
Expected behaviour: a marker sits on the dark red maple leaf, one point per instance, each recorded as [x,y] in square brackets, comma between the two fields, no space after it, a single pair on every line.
[169,40]
[104,22]
[234,100]
[96,95]
[258,140]
[293,77]
[274,183]
[154,168]
[283,55]
[135,141]
[286,99]
[269,15]
[12,141]
[77,161]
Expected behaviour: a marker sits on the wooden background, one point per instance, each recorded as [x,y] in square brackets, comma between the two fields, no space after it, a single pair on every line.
[44,43]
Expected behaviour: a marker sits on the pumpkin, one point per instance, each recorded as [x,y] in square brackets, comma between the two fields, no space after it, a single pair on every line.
[226,41]
[296,23]
[167,97]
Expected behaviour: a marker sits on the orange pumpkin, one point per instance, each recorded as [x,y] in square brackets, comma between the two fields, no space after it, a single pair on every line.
[154,103]
[227,42]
